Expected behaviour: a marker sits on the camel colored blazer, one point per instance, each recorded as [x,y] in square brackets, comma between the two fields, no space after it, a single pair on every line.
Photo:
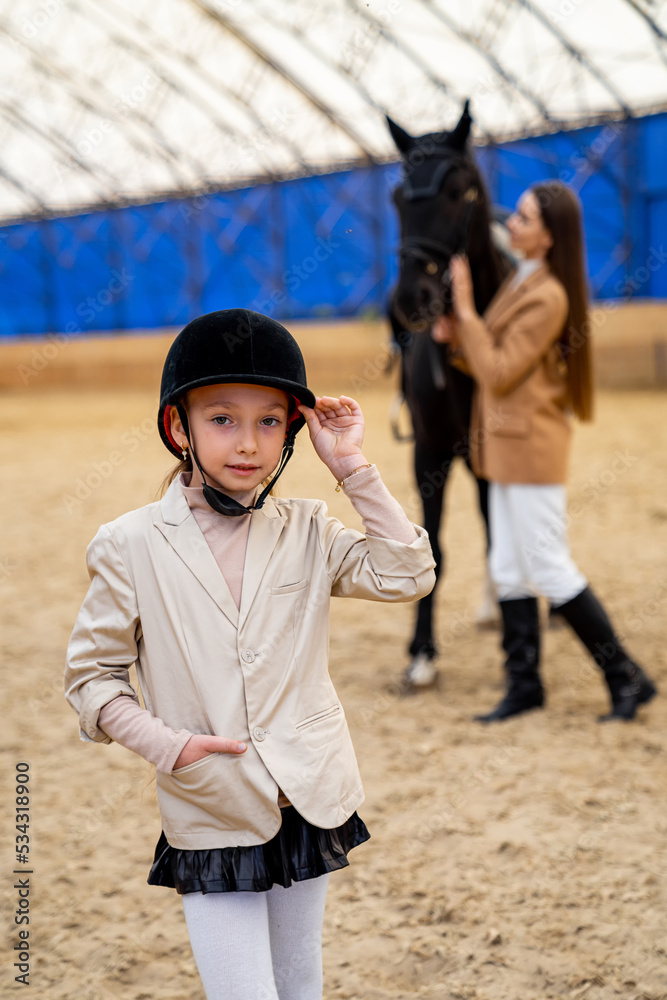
[520,430]
[259,673]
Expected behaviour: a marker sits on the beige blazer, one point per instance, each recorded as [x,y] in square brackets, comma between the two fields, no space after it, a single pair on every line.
[520,430]
[259,674]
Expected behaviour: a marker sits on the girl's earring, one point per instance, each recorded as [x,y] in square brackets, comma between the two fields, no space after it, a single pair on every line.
[184,451]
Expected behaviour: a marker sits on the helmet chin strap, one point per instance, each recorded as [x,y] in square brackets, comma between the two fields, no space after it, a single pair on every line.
[219,501]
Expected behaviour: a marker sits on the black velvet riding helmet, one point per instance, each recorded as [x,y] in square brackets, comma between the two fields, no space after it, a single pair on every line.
[232,345]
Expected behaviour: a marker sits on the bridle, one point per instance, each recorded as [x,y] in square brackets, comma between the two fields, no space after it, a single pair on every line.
[424,249]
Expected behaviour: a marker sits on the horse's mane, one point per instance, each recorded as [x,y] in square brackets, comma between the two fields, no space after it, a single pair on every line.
[489,262]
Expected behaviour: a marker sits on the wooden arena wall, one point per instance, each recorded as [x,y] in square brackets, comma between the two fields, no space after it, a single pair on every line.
[630,347]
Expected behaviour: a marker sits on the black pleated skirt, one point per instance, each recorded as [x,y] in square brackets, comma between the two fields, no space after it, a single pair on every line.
[298,851]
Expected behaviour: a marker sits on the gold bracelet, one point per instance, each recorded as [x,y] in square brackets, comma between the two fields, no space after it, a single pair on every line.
[341,481]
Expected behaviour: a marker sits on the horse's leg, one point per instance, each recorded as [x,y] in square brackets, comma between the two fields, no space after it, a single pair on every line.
[487,615]
[431,477]
[483,500]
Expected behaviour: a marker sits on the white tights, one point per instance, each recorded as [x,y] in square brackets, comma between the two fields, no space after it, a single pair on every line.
[259,945]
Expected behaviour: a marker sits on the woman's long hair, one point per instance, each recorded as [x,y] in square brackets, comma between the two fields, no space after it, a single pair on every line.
[561,214]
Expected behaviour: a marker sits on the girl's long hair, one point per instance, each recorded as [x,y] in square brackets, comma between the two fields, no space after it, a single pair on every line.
[561,214]
[184,465]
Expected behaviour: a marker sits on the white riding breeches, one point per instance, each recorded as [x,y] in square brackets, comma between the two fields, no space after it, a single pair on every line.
[529,553]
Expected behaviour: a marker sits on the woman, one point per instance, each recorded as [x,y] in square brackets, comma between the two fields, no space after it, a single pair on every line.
[530,357]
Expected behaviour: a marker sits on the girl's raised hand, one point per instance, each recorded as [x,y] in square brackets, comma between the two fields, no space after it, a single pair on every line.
[198,747]
[336,427]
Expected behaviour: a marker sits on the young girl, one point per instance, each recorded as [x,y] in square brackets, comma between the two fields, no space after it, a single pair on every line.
[219,594]
[530,358]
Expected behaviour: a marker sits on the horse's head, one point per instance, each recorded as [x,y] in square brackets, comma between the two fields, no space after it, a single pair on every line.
[437,200]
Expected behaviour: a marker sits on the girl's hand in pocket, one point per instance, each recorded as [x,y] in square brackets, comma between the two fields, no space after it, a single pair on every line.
[198,747]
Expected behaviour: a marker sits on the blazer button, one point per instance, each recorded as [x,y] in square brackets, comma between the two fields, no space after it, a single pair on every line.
[259,734]
[248,655]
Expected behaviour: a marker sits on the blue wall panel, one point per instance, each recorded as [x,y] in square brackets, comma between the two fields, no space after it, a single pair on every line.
[317,246]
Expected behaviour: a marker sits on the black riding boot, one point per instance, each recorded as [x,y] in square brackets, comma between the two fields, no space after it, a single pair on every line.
[628,684]
[521,642]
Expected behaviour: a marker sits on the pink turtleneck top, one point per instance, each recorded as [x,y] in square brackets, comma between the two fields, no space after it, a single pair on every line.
[135,728]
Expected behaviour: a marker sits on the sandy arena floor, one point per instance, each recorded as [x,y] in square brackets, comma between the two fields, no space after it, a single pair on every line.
[521,862]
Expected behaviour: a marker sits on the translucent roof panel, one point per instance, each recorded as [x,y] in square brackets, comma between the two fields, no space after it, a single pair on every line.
[109,101]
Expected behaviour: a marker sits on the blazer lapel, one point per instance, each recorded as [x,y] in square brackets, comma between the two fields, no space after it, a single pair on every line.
[265,529]
[506,300]
[498,298]
[179,527]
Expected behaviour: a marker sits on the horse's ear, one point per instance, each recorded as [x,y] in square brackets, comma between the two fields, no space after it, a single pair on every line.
[403,140]
[459,136]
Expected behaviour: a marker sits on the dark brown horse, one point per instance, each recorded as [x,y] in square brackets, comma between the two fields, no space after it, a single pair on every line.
[443,209]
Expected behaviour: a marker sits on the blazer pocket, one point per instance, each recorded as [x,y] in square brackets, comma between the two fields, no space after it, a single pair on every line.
[511,426]
[318,717]
[290,588]
[192,766]
[216,784]
[323,728]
